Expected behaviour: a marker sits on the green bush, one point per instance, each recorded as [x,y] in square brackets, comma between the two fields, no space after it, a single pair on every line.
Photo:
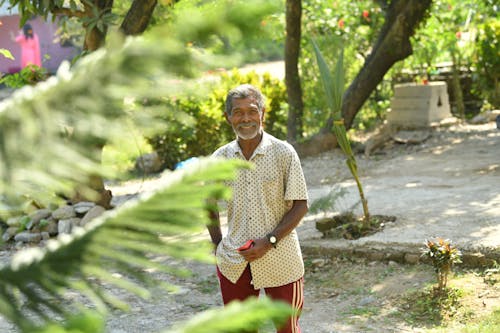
[198,126]
[488,62]
[30,74]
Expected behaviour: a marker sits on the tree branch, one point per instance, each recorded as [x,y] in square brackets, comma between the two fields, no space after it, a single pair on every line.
[68,12]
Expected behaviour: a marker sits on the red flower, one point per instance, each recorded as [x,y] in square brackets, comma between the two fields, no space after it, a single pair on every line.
[341,23]
[366,14]
[458,34]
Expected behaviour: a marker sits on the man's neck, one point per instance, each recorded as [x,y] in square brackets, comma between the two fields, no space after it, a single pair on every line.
[249,146]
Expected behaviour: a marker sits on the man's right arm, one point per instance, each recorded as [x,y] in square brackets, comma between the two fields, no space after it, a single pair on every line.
[214,227]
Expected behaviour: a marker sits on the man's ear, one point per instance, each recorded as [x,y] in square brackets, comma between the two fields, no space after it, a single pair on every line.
[263,115]
[227,118]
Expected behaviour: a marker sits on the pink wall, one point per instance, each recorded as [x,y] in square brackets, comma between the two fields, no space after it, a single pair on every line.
[46,32]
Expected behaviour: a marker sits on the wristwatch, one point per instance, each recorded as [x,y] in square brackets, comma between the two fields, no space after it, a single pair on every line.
[272,239]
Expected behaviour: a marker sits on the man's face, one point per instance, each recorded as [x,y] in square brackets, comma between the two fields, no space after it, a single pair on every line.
[245,118]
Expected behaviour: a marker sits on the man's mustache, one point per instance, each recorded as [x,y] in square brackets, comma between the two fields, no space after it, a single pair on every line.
[253,123]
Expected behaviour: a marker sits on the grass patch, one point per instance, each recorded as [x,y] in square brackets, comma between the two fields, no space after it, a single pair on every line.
[430,308]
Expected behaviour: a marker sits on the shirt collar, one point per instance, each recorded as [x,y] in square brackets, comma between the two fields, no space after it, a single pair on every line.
[261,149]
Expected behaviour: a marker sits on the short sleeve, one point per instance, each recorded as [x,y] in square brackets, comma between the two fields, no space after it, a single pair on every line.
[296,188]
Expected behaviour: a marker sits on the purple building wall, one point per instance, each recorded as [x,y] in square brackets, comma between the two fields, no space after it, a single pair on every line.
[46,32]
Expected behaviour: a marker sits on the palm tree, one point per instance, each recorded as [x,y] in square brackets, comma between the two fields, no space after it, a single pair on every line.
[334,90]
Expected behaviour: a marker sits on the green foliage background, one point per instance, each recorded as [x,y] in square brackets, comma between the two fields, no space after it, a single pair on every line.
[197,126]
[47,132]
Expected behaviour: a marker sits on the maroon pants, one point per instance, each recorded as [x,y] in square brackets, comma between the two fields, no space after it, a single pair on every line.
[292,293]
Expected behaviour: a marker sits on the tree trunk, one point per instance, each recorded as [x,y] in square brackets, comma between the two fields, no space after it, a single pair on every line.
[456,87]
[292,78]
[138,17]
[393,45]
[95,37]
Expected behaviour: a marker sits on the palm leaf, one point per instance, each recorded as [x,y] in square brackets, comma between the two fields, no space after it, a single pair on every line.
[45,135]
[237,317]
[334,88]
[118,242]
[86,105]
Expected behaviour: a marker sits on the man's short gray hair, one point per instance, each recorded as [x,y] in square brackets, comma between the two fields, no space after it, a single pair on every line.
[244,91]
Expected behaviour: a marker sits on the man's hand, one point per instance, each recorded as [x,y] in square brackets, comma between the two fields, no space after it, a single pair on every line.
[258,250]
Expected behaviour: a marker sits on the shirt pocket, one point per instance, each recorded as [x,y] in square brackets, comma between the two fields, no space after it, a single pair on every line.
[272,187]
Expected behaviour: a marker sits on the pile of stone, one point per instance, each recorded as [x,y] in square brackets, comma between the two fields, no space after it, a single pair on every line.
[42,224]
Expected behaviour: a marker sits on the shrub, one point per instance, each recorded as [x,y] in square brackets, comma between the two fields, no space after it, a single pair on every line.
[198,126]
[30,74]
[488,62]
[443,256]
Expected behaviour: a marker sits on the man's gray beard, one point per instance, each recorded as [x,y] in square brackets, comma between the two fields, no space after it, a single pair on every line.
[248,136]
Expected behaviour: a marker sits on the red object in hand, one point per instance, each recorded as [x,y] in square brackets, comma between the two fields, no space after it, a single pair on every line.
[247,245]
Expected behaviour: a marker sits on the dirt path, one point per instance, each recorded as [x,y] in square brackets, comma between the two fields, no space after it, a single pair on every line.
[448,179]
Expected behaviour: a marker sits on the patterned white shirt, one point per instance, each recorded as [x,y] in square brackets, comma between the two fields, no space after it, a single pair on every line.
[261,197]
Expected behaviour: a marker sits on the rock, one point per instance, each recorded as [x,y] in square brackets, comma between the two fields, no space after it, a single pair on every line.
[318,262]
[379,138]
[326,224]
[493,115]
[9,234]
[38,215]
[66,225]
[14,221]
[412,137]
[367,300]
[485,117]
[148,163]
[28,237]
[64,212]
[412,258]
[92,214]
[481,118]
[51,228]
[83,207]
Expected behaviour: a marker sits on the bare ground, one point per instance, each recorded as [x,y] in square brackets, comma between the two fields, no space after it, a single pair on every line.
[345,294]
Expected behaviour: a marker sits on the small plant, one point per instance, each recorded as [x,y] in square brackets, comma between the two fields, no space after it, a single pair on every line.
[334,89]
[23,223]
[29,75]
[328,202]
[443,256]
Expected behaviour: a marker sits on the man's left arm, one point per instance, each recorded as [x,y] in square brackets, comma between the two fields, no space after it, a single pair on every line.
[288,223]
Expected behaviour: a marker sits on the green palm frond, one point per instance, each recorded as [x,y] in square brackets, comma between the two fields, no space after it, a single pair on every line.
[46,130]
[334,90]
[236,317]
[122,241]
[46,137]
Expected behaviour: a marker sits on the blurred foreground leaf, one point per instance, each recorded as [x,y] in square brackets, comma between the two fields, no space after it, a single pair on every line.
[124,241]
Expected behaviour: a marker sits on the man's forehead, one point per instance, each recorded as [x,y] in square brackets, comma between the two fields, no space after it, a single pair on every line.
[248,101]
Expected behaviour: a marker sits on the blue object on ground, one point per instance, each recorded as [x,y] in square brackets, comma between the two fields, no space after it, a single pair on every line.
[185,163]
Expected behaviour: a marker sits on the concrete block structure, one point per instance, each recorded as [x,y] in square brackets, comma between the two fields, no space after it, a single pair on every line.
[419,105]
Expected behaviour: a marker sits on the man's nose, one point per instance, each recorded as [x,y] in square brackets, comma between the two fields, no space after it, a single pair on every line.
[246,117]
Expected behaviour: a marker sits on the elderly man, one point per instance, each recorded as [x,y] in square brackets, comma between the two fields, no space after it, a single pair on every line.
[261,248]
